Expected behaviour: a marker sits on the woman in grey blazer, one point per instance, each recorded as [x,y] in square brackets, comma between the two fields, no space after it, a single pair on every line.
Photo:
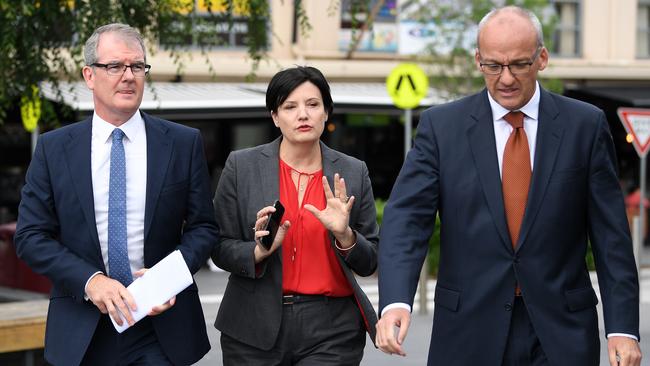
[298,302]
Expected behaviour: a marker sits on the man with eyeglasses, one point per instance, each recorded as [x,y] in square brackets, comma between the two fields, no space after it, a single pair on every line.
[106,198]
[523,180]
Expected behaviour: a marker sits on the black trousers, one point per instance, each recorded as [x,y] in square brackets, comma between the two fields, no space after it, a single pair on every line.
[136,346]
[523,347]
[323,332]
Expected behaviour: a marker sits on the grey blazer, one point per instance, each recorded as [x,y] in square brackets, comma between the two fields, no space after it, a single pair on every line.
[251,309]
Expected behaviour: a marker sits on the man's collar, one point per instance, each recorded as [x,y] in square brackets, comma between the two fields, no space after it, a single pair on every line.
[133,128]
[531,109]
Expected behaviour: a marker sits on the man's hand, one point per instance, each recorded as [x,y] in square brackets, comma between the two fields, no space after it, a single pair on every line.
[162,308]
[111,297]
[159,308]
[623,351]
[388,339]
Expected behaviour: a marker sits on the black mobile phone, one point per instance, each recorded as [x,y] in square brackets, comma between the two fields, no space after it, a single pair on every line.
[272,224]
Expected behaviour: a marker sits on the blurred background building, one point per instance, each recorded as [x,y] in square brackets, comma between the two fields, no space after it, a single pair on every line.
[600,53]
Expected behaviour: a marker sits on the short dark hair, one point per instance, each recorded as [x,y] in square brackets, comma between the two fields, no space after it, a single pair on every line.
[285,81]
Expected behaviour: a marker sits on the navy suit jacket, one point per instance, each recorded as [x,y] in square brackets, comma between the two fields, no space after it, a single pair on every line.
[57,236]
[574,199]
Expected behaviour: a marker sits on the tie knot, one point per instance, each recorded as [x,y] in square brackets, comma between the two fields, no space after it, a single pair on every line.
[117,135]
[516,119]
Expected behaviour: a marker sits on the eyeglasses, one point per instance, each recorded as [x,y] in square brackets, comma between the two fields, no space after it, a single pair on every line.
[515,69]
[139,69]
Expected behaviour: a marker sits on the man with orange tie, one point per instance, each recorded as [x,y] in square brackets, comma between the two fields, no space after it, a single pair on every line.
[522,179]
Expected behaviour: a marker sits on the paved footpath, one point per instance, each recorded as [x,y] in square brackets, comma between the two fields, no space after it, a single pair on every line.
[212,284]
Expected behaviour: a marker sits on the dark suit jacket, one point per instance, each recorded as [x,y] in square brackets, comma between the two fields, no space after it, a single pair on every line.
[57,236]
[574,199]
[251,309]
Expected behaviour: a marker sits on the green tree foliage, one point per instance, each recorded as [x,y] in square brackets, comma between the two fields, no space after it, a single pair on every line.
[42,40]
[451,53]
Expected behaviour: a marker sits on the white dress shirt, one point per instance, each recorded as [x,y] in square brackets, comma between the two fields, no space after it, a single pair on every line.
[502,131]
[135,153]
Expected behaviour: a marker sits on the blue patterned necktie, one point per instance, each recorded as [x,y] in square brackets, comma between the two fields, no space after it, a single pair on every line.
[118,255]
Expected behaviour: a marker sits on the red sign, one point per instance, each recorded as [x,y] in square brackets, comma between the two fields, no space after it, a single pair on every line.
[637,123]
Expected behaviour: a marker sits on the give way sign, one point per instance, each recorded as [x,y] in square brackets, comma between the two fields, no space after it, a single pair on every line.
[637,123]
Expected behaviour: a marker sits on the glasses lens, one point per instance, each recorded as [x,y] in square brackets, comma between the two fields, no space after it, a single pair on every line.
[118,69]
[138,69]
[115,69]
[492,69]
[519,68]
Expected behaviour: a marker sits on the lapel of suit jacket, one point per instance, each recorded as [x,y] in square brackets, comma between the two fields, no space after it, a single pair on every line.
[330,167]
[159,148]
[482,142]
[78,150]
[549,136]
[268,165]
[330,164]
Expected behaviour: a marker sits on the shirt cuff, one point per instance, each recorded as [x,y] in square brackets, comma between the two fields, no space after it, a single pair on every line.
[622,335]
[87,282]
[396,305]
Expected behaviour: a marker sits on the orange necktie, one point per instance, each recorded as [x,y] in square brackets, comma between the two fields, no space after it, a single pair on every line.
[516,174]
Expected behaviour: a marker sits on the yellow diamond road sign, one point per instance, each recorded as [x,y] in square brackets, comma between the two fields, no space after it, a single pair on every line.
[407,84]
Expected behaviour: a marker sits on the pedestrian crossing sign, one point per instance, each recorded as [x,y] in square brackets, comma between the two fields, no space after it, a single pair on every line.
[407,84]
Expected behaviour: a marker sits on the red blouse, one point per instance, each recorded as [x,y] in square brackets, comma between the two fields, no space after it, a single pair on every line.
[309,264]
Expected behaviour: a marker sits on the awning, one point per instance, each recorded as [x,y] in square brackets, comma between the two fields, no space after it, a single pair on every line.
[227,96]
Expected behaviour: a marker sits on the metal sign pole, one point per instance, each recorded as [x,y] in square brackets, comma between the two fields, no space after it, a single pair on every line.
[642,223]
[408,127]
[35,133]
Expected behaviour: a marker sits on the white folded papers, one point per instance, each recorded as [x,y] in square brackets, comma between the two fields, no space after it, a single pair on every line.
[159,284]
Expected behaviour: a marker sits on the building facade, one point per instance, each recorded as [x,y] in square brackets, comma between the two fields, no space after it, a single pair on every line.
[600,53]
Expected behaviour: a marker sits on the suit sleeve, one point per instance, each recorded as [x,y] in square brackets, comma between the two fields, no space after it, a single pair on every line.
[233,252]
[610,238]
[200,231]
[37,231]
[409,219]
[362,259]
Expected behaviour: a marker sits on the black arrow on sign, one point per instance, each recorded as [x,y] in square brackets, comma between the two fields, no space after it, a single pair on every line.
[399,82]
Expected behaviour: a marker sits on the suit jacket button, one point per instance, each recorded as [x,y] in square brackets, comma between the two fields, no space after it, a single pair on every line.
[508,306]
[244,272]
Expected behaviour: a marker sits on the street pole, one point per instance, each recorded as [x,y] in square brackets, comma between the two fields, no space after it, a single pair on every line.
[642,223]
[34,138]
[408,127]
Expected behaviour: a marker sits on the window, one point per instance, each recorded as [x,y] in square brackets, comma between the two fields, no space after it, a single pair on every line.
[566,37]
[643,29]
[383,35]
[210,27]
